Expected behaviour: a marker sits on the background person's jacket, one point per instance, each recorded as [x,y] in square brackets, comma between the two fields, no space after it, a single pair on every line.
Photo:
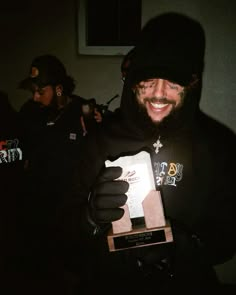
[11,179]
[52,148]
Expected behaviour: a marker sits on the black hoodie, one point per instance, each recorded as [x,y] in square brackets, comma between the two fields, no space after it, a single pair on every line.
[194,172]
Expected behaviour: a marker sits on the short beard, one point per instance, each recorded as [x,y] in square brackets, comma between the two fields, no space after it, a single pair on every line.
[167,125]
[52,108]
[53,104]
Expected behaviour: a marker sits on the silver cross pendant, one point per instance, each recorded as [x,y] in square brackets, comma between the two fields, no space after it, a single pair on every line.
[157,145]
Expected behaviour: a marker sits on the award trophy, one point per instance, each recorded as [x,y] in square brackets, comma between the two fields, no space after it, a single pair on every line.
[143,222]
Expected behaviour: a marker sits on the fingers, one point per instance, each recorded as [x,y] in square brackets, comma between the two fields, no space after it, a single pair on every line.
[97,116]
[115,187]
[110,201]
[109,215]
[109,173]
[108,195]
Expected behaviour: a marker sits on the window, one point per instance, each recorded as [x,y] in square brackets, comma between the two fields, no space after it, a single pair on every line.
[108,27]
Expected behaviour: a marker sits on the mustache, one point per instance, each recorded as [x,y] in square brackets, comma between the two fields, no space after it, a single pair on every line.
[161,100]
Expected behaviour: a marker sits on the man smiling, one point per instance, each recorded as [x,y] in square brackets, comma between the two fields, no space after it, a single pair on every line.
[190,152]
[159,97]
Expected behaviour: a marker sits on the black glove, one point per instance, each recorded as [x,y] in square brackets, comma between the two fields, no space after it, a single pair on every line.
[185,244]
[107,196]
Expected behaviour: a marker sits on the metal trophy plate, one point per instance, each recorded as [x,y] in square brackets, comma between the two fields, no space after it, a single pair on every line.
[144,222]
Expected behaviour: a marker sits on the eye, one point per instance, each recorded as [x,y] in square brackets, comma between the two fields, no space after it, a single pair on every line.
[146,83]
[41,91]
[172,85]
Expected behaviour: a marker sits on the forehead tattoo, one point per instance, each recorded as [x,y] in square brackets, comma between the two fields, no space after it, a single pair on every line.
[142,87]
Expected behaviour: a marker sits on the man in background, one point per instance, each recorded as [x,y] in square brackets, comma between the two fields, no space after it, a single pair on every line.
[54,126]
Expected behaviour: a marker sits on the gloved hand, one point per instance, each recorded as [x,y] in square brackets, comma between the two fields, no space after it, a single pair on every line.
[162,257]
[107,196]
[153,259]
[183,257]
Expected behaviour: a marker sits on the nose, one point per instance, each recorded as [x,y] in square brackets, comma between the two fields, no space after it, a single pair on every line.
[159,88]
[36,96]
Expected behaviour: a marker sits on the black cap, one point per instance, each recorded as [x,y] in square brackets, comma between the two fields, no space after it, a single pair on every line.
[45,70]
[171,46]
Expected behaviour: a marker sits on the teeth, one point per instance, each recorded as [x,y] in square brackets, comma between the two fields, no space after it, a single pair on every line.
[159,105]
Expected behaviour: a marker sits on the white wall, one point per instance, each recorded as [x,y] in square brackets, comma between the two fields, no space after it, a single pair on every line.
[50,26]
[31,28]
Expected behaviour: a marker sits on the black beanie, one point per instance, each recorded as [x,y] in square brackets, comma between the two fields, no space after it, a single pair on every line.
[171,46]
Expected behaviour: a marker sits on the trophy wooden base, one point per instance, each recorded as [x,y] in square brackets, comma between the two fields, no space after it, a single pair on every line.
[140,236]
